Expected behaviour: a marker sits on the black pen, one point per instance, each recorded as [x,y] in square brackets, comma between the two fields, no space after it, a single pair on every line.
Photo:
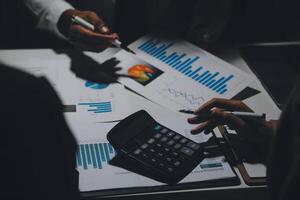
[243,115]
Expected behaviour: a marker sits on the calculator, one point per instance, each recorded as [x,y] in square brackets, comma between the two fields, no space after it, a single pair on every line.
[153,150]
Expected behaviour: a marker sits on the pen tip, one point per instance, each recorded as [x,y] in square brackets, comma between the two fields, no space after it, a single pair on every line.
[129,50]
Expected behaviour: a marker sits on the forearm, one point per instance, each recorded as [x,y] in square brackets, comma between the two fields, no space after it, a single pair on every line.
[48,13]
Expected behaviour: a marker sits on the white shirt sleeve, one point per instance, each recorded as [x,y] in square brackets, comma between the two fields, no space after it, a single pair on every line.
[48,13]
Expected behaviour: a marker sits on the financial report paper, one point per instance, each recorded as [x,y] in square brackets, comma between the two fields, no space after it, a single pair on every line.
[177,74]
[94,152]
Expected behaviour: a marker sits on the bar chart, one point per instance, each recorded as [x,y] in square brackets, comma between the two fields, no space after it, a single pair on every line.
[186,65]
[98,107]
[210,165]
[94,155]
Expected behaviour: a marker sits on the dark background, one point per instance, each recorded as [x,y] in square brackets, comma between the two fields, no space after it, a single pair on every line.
[251,21]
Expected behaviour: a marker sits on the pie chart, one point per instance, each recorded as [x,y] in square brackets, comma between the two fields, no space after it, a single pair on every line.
[95,86]
[141,72]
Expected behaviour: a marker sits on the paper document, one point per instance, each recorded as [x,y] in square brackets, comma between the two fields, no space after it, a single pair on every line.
[101,102]
[177,74]
[94,152]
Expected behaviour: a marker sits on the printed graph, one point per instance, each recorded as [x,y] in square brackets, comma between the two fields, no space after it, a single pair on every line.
[98,107]
[184,64]
[94,155]
[95,86]
[191,99]
[210,165]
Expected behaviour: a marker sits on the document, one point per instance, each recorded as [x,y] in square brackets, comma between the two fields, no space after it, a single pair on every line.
[177,74]
[101,102]
[94,152]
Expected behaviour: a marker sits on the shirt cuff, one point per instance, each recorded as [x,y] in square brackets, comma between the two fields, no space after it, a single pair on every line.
[48,13]
[55,11]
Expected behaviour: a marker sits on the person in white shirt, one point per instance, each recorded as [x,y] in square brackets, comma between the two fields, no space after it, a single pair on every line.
[56,16]
[200,21]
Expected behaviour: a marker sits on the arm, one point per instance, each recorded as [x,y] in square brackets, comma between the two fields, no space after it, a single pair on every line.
[48,13]
[56,16]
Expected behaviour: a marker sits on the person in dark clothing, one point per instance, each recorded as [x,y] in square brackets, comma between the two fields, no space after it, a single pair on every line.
[37,149]
[279,139]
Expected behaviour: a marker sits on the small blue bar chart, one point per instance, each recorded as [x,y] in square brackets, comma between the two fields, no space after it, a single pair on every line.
[183,64]
[210,165]
[95,86]
[94,155]
[98,107]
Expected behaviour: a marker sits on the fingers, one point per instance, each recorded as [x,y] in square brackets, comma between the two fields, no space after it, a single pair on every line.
[217,117]
[91,36]
[223,104]
[95,41]
[81,37]
[97,22]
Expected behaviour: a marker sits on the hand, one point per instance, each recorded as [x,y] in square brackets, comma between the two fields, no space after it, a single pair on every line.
[212,114]
[83,38]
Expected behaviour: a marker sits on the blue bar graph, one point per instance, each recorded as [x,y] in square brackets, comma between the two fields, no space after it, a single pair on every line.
[99,107]
[184,64]
[94,155]
[210,165]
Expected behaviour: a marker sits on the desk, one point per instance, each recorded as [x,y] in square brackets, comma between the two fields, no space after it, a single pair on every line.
[261,102]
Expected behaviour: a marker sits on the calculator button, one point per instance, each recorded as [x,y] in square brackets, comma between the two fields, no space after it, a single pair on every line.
[158,145]
[167,149]
[144,146]
[151,141]
[187,151]
[152,150]
[157,127]
[170,134]
[137,151]
[160,155]
[183,140]
[177,146]
[164,139]
[170,169]
[171,142]
[157,135]
[164,130]
[176,137]
[175,154]
[145,156]
[193,145]
[177,163]
[161,165]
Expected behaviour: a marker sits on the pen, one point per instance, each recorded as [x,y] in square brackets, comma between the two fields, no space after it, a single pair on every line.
[243,115]
[84,23]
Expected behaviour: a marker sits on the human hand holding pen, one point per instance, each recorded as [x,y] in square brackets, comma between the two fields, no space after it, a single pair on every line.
[82,37]
[214,113]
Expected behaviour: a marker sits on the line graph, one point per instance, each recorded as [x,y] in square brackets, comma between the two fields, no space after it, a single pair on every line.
[190,98]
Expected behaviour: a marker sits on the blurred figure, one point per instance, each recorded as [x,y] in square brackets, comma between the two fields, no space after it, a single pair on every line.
[37,149]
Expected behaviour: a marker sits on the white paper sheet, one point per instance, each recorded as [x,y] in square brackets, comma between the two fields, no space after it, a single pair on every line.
[183,82]
[95,176]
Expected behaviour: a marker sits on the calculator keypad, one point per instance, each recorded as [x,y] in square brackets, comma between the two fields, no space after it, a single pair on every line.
[165,149]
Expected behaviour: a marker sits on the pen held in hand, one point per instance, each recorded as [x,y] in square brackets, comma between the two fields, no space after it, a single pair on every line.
[84,23]
[243,115]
